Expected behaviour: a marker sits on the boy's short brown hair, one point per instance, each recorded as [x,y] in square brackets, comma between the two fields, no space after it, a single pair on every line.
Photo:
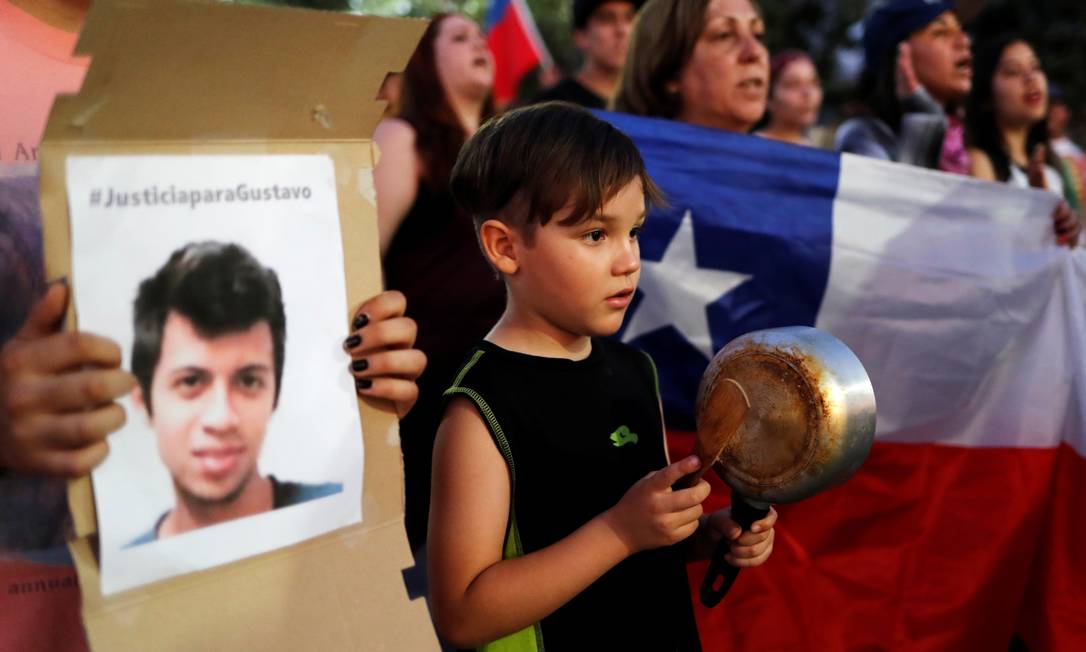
[526,165]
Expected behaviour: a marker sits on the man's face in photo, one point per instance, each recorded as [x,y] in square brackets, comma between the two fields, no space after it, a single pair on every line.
[211,400]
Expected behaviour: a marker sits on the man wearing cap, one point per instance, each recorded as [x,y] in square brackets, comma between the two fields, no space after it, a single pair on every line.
[918,69]
[601,31]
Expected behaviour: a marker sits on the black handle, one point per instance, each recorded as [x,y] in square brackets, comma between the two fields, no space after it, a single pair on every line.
[721,575]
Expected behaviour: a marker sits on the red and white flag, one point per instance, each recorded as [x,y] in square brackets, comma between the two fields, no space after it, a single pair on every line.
[967,524]
[514,40]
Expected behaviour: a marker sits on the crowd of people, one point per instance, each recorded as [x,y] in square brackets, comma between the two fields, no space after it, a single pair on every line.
[704,62]
[474,242]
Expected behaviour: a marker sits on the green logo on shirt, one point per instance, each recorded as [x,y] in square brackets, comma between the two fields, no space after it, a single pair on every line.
[623,436]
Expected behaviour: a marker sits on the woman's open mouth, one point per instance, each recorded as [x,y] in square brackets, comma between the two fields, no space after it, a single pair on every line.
[752,84]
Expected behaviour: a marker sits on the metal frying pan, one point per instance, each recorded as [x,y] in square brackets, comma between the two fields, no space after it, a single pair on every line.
[782,414]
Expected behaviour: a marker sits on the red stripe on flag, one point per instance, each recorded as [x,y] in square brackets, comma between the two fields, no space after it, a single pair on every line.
[515,54]
[927,547]
[1054,609]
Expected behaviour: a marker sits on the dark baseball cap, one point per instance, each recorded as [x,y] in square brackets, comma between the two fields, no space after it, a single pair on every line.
[892,21]
[582,9]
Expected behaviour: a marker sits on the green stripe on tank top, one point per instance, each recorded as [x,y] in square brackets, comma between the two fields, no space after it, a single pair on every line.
[529,639]
[655,374]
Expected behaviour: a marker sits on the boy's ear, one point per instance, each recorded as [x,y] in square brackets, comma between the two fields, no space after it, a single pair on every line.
[498,241]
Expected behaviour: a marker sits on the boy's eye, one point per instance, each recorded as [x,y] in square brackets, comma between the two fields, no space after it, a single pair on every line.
[594,236]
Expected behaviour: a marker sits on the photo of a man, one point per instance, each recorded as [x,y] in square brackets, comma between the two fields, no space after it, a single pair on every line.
[208,353]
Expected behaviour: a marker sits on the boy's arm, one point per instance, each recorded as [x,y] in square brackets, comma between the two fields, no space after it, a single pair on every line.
[748,550]
[477,596]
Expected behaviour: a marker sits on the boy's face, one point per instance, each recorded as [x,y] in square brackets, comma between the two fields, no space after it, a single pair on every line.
[580,279]
[211,400]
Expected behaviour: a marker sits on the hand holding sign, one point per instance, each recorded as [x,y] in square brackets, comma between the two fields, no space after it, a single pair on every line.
[58,392]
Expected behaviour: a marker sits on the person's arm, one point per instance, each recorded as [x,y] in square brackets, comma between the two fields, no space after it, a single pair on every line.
[862,136]
[1065,222]
[58,393]
[383,361]
[980,166]
[751,549]
[396,177]
[479,597]
[923,120]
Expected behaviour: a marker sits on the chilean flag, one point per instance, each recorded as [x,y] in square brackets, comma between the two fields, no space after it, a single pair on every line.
[514,40]
[967,524]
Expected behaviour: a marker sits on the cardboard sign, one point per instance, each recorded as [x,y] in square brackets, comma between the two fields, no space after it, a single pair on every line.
[174,78]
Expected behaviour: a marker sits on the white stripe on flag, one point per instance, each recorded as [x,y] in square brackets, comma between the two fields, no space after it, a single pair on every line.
[952,294]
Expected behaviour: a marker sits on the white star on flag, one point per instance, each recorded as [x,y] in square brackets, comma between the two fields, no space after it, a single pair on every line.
[677,292]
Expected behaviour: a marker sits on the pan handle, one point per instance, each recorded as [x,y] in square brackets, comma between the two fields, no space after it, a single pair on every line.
[721,574]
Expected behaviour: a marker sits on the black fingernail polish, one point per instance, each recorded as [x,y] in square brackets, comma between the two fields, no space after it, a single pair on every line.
[360,365]
[352,341]
[363,383]
[360,321]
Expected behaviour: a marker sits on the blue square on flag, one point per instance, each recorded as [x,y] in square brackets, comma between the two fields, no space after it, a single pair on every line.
[743,244]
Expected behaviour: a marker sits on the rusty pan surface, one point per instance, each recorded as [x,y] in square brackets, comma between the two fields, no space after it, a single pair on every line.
[811,419]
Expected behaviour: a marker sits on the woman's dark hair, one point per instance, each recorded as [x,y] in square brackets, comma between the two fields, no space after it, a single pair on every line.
[982,131]
[439,135]
[662,42]
[878,86]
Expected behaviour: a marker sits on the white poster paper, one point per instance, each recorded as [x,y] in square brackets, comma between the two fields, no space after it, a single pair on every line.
[243,433]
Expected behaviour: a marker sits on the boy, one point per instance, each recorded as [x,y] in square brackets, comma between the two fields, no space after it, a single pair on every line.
[552,522]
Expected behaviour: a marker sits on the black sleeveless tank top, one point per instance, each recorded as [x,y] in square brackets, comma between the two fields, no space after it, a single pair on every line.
[575,436]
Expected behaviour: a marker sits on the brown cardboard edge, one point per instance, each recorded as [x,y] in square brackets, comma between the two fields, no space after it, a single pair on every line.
[378,546]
